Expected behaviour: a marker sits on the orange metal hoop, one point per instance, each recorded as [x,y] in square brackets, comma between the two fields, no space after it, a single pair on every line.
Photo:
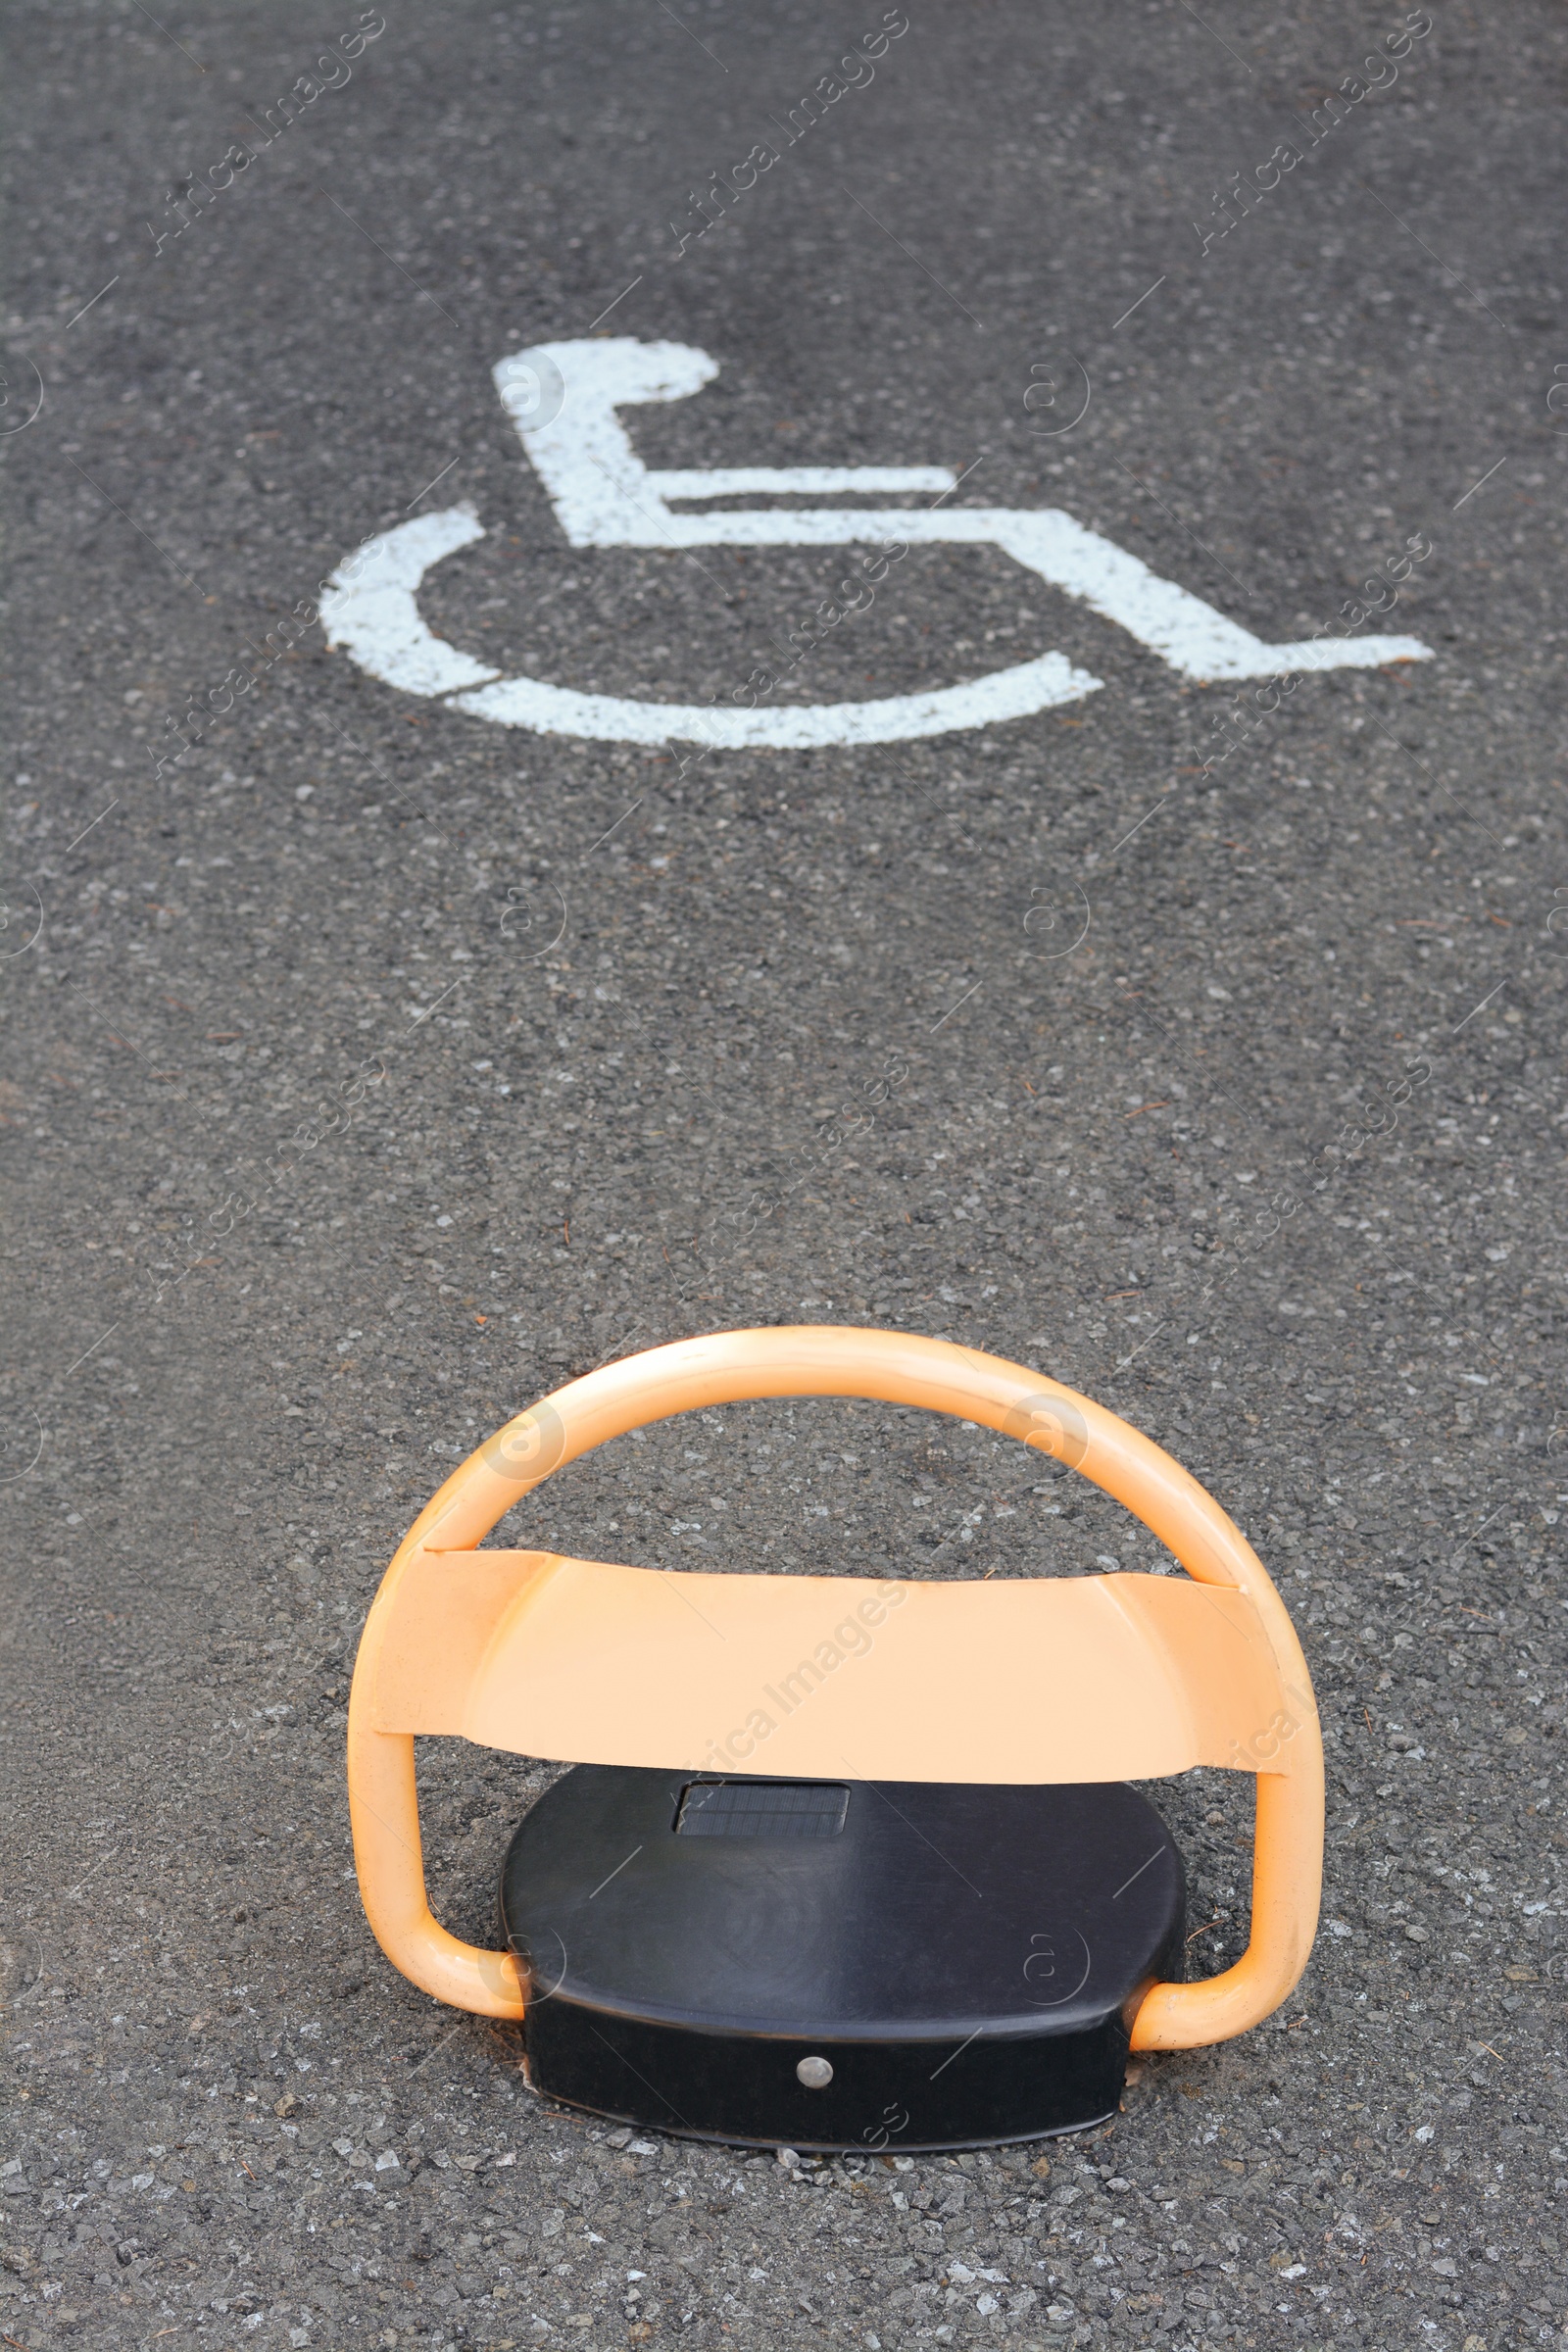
[1039,1679]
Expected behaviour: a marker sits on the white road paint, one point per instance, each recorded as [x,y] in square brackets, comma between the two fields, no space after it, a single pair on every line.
[810,481]
[603,495]
[370,609]
[891,719]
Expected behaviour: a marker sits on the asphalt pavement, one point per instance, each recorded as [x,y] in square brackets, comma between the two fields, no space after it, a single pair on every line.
[373,1066]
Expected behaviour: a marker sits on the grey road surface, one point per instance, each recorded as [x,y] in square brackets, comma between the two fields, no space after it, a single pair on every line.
[373,1066]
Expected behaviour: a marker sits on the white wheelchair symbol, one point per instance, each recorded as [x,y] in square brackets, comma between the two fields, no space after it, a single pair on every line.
[564,398]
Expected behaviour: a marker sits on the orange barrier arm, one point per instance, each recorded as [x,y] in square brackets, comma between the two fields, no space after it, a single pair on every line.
[1027,1678]
[935,1376]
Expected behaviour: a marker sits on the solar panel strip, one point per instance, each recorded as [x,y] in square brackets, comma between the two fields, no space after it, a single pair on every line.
[762,1809]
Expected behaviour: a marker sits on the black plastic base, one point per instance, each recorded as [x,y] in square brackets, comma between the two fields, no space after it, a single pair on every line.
[965,1959]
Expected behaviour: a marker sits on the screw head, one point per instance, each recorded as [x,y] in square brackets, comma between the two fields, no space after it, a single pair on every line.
[815,2073]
